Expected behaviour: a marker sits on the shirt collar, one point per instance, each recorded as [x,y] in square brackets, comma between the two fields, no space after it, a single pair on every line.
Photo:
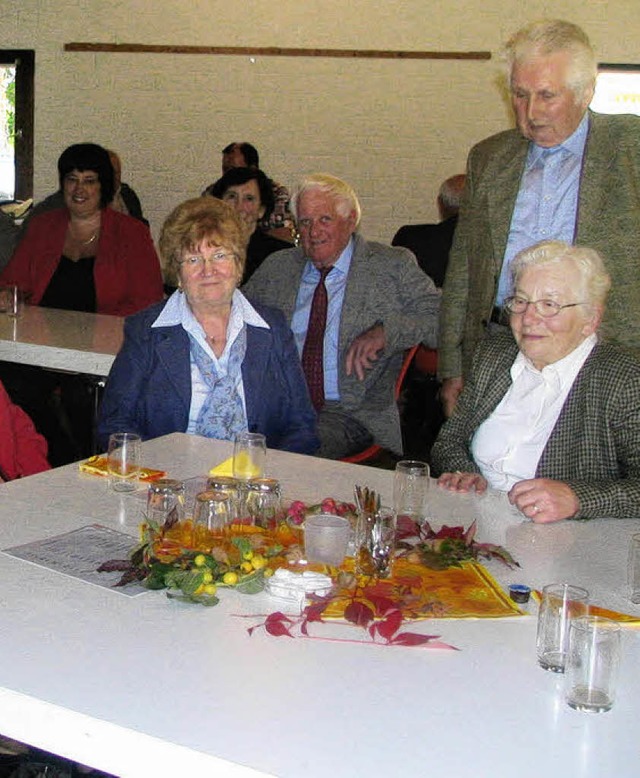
[178,311]
[574,144]
[342,264]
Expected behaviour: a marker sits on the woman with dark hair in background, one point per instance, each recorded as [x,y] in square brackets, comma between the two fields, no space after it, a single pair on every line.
[82,257]
[250,192]
[86,256]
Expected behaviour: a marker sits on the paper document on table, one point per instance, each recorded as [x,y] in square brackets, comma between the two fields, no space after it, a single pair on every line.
[80,553]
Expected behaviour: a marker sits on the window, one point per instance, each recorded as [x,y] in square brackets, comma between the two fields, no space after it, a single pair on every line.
[16,123]
[617,89]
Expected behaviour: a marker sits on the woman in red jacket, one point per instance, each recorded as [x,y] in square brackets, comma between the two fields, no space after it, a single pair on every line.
[22,450]
[86,256]
[82,257]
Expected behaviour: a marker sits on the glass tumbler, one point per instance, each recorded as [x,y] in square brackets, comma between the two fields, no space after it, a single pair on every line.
[410,488]
[264,502]
[560,604]
[592,664]
[123,461]
[165,500]
[212,513]
[634,568]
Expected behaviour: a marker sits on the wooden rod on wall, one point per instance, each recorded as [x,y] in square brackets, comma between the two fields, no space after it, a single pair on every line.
[273,51]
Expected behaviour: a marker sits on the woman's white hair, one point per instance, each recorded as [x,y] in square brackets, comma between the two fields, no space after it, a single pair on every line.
[342,193]
[550,36]
[595,281]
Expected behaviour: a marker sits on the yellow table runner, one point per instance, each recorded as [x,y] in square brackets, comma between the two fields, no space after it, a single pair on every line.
[469,591]
[594,610]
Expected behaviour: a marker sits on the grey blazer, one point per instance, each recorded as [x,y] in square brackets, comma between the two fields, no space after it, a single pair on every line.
[608,220]
[384,285]
[595,445]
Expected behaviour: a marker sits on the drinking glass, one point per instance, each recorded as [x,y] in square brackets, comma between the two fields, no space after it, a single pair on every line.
[592,664]
[264,501]
[123,461]
[634,568]
[375,542]
[12,300]
[164,497]
[410,487]
[213,511]
[560,604]
[249,454]
[325,538]
[228,486]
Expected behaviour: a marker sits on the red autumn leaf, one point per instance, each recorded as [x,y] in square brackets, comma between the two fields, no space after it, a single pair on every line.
[276,624]
[389,626]
[414,639]
[406,527]
[381,603]
[450,532]
[470,534]
[278,629]
[491,551]
[314,611]
[359,614]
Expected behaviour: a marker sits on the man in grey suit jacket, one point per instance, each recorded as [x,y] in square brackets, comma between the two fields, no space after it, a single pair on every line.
[596,191]
[379,304]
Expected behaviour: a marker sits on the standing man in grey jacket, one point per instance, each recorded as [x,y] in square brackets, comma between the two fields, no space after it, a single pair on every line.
[377,303]
[565,173]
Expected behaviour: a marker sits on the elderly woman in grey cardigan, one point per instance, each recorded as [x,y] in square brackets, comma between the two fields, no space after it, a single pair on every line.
[551,415]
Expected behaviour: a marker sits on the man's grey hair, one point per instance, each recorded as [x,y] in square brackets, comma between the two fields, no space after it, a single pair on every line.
[550,36]
[342,193]
[595,281]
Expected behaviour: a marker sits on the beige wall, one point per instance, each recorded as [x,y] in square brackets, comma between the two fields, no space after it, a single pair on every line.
[393,129]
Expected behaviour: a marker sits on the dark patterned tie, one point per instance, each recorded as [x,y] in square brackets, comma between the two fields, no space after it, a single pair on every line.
[312,352]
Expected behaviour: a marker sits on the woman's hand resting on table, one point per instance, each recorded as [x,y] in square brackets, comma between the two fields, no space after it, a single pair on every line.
[540,499]
[544,500]
[463,482]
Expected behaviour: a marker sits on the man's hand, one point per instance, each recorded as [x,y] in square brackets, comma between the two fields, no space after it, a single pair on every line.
[365,350]
[449,393]
[544,500]
[463,482]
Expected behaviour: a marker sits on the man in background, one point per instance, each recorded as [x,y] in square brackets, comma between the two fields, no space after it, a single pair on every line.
[431,243]
[565,173]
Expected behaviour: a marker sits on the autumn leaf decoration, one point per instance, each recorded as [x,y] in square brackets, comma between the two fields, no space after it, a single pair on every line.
[446,547]
[380,617]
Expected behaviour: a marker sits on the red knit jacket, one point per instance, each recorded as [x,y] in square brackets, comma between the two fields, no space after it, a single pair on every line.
[126,271]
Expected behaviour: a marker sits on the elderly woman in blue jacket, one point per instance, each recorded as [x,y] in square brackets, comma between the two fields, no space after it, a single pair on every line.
[207,361]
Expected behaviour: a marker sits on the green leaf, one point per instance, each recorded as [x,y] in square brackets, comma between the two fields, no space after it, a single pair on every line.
[174,578]
[192,581]
[242,544]
[201,599]
[251,584]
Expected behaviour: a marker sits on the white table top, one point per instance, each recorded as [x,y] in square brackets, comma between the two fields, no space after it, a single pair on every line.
[61,340]
[146,686]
